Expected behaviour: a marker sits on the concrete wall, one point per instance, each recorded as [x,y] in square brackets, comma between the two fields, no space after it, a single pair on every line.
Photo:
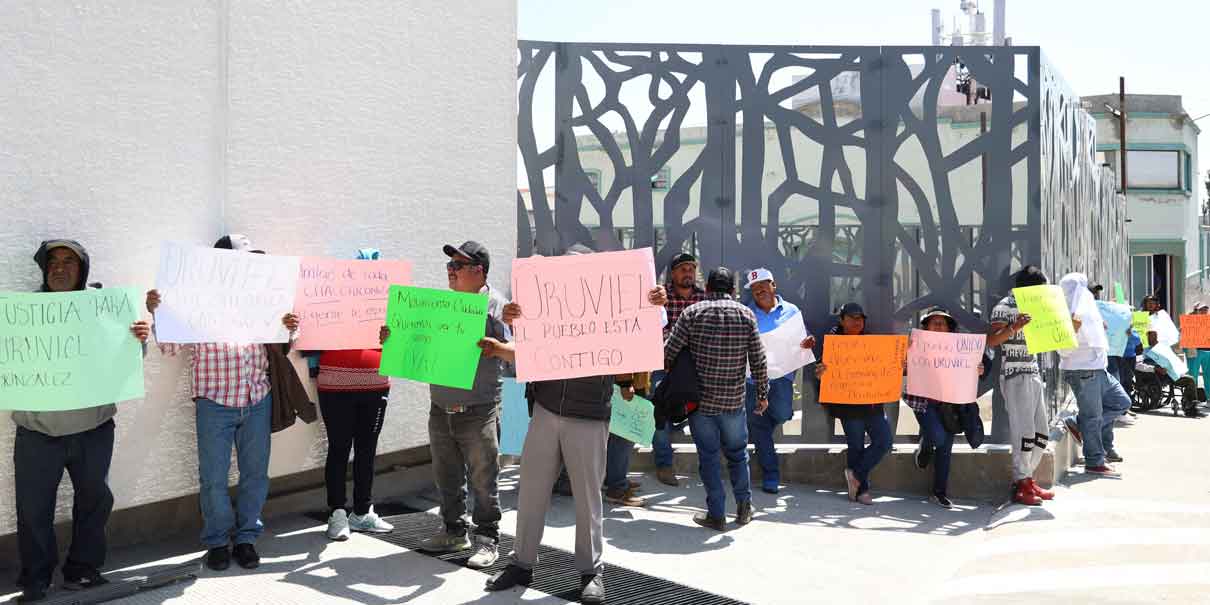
[315,128]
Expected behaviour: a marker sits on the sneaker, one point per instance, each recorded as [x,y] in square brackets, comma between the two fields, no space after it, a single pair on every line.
[218,559]
[770,488]
[865,498]
[623,497]
[1044,494]
[370,523]
[924,455]
[634,484]
[486,553]
[245,555]
[1073,427]
[709,522]
[338,525]
[510,577]
[445,542]
[941,500]
[743,513]
[1104,470]
[33,594]
[1024,494]
[852,483]
[83,579]
[667,476]
[1112,456]
[592,588]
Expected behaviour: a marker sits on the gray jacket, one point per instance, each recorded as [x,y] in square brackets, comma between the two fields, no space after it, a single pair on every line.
[486,389]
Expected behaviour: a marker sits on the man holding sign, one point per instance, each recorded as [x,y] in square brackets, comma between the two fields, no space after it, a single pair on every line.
[79,441]
[780,323]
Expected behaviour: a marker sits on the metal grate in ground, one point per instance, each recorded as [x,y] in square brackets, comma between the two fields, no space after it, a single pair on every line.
[556,574]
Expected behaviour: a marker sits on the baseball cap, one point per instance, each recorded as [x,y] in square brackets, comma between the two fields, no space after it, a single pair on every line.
[680,259]
[851,309]
[721,279]
[939,312]
[758,275]
[234,241]
[471,249]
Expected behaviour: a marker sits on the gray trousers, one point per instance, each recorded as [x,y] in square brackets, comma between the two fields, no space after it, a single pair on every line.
[465,449]
[1028,426]
[552,442]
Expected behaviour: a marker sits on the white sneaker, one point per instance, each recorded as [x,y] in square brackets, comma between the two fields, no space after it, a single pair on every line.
[485,553]
[338,525]
[370,523]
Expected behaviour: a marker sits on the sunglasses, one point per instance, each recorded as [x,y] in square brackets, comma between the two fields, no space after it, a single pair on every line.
[458,265]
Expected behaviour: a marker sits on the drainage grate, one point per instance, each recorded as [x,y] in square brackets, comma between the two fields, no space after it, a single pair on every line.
[558,575]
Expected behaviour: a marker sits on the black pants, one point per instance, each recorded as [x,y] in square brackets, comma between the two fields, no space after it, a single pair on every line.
[39,461]
[353,420]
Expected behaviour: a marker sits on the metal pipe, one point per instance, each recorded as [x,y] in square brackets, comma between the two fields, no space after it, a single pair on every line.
[1122,127]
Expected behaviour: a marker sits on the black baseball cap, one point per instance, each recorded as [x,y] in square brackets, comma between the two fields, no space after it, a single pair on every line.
[681,259]
[721,279]
[473,250]
[851,309]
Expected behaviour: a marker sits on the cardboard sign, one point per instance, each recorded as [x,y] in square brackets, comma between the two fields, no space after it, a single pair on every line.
[1195,331]
[69,350]
[944,366]
[586,315]
[1050,326]
[341,303]
[1140,321]
[514,417]
[1117,324]
[783,348]
[1165,330]
[213,295]
[1119,294]
[632,420]
[1163,355]
[435,336]
[862,369]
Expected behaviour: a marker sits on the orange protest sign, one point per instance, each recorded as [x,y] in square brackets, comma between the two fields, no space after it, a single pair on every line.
[862,369]
[1195,331]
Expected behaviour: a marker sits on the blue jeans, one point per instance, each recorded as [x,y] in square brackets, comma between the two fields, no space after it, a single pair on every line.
[218,428]
[1101,400]
[725,433]
[933,434]
[661,441]
[861,458]
[761,428]
[617,462]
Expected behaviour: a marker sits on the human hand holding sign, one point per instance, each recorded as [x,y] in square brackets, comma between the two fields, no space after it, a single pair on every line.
[141,330]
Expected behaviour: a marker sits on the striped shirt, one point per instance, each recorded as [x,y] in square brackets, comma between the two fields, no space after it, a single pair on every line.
[353,370]
[230,375]
[722,336]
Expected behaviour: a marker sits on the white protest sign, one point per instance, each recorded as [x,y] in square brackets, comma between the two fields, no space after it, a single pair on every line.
[215,295]
[783,348]
[1169,360]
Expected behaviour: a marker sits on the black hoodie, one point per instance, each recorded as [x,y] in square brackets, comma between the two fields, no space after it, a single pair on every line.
[42,257]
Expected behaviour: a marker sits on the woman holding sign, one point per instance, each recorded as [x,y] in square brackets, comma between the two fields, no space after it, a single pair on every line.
[858,420]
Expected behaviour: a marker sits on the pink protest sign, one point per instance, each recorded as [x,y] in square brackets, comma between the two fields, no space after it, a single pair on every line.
[586,315]
[341,304]
[945,366]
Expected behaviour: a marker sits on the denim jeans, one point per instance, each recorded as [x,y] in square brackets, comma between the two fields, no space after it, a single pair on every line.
[862,458]
[1122,368]
[725,433]
[465,449]
[617,462]
[218,428]
[762,427]
[1101,400]
[661,441]
[933,433]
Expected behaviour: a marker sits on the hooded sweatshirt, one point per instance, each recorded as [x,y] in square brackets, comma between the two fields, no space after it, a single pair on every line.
[68,422]
[1092,344]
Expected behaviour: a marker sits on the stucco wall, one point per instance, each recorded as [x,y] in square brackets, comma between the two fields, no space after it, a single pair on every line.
[315,128]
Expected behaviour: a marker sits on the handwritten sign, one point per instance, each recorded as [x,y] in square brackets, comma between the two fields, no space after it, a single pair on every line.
[68,350]
[1165,330]
[1119,294]
[341,303]
[1195,331]
[1163,355]
[783,348]
[213,295]
[1117,324]
[514,417]
[1140,321]
[632,420]
[944,366]
[1050,326]
[586,315]
[862,369]
[434,336]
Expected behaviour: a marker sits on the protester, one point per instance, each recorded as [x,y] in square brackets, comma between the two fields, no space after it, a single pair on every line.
[569,428]
[858,420]
[1134,347]
[353,402]
[771,311]
[464,440]
[683,292]
[231,388]
[936,443]
[48,443]
[619,489]
[723,337]
[1100,397]
[1023,390]
[1201,358]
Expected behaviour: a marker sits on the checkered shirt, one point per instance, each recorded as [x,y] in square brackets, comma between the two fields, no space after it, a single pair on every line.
[677,305]
[231,375]
[722,336]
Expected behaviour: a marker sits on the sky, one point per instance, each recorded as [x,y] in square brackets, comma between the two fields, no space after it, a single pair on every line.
[1160,46]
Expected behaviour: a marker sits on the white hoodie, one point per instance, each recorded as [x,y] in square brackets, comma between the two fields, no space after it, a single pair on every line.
[1092,344]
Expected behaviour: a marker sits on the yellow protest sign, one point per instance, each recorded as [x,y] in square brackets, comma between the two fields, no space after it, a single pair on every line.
[1050,326]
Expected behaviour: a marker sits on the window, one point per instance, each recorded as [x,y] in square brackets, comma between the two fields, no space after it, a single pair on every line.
[1154,169]
[661,181]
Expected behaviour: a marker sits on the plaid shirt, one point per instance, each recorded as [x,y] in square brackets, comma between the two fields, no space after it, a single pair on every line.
[677,305]
[231,375]
[723,338]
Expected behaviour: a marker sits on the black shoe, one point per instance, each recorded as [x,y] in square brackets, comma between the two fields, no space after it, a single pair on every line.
[33,594]
[709,522]
[510,577]
[245,555]
[83,579]
[743,513]
[942,500]
[924,455]
[1112,456]
[218,559]
[593,588]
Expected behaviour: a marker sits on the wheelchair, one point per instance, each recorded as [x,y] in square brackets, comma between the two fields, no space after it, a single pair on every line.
[1153,393]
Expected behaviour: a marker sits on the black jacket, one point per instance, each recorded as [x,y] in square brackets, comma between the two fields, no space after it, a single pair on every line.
[678,388]
[588,398]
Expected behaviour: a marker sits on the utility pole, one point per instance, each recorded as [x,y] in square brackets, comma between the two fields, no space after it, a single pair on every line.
[1122,127]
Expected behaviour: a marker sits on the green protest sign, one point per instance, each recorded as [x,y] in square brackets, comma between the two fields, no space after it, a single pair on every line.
[1050,326]
[1140,321]
[434,336]
[1118,293]
[632,420]
[68,350]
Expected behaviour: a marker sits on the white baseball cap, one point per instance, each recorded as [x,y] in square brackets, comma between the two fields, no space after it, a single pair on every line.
[758,275]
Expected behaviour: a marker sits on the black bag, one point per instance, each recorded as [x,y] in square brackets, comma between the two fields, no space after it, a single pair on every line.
[951,419]
[677,395]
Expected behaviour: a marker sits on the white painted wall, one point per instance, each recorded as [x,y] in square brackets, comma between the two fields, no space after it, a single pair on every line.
[315,128]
